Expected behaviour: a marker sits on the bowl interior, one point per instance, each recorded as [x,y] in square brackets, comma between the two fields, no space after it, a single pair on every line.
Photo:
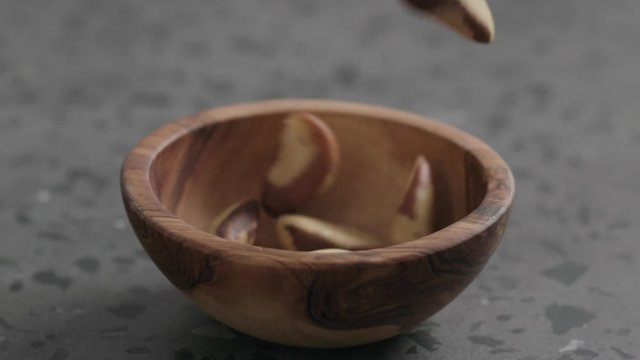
[203,172]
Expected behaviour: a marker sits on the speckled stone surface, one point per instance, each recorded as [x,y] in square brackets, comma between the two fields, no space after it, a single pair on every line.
[557,94]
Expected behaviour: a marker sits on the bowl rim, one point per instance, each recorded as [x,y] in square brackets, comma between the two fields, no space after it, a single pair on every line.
[140,197]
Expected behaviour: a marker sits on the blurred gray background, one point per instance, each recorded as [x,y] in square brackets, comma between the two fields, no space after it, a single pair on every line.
[557,94]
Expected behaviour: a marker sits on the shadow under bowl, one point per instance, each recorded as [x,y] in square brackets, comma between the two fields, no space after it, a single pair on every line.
[180,176]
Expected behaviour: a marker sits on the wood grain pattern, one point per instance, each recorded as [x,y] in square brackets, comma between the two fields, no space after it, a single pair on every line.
[179,177]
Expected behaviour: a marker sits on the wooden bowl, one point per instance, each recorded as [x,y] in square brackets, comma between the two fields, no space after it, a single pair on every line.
[179,177]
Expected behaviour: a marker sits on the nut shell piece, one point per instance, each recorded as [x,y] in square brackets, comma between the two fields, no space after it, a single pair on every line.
[414,218]
[307,163]
[238,223]
[305,233]
[471,18]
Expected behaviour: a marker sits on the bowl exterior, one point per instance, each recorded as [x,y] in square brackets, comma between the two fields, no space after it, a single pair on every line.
[332,306]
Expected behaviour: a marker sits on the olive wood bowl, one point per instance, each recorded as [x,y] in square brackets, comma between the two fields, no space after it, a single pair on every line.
[180,176]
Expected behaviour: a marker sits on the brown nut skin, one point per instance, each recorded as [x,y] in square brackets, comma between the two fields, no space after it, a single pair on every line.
[471,18]
[414,218]
[305,233]
[307,163]
[238,223]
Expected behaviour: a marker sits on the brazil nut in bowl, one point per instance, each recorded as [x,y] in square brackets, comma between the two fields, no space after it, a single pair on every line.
[317,223]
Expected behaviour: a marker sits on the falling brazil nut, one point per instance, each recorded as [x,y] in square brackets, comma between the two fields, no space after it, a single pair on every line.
[238,222]
[414,217]
[305,233]
[471,18]
[306,164]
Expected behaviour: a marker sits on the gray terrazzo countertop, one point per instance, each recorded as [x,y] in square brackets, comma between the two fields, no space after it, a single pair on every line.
[557,94]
